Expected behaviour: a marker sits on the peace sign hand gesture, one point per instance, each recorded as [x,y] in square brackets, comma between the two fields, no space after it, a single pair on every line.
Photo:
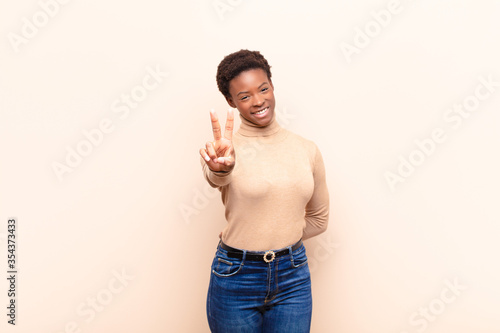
[219,154]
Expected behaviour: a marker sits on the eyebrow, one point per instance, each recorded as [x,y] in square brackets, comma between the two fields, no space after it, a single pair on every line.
[246,92]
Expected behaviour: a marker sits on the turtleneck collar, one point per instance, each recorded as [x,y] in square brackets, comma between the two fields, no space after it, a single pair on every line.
[248,128]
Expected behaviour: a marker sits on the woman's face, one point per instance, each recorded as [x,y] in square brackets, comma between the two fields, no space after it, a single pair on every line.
[252,93]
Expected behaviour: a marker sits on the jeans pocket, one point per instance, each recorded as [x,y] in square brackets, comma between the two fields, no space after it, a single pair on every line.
[299,258]
[224,266]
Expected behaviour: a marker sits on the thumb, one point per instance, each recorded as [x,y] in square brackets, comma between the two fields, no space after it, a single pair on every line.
[227,161]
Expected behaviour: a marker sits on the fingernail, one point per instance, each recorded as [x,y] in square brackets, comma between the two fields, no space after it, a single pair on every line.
[207,158]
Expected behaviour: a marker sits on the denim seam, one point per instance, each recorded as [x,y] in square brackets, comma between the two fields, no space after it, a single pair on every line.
[268,282]
[276,276]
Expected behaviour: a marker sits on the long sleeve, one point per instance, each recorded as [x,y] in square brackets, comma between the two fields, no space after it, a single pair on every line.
[318,208]
[214,178]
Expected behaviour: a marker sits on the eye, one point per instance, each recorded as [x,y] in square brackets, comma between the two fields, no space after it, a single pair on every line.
[264,89]
[243,98]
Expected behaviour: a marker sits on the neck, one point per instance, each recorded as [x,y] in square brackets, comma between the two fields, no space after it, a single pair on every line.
[247,128]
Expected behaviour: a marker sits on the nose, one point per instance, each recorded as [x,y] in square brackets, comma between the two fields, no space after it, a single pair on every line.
[258,100]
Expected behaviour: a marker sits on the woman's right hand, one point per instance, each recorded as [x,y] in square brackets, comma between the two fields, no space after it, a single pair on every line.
[219,154]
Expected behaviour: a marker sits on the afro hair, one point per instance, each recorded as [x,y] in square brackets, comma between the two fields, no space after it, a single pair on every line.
[235,63]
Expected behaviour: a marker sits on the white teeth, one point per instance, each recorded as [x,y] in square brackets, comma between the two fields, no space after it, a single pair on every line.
[262,111]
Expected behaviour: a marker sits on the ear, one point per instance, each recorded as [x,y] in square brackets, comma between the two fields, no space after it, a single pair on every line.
[230,102]
[271,83]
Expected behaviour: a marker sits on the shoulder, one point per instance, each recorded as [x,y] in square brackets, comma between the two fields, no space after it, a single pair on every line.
[303,141]
[306,144]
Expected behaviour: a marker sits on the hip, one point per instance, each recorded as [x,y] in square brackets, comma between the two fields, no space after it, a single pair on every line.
[285,268]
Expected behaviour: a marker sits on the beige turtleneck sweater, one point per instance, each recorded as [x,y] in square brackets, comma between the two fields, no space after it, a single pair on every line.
[276,192]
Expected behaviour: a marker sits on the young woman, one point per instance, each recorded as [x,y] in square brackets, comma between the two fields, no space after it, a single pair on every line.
[273,186]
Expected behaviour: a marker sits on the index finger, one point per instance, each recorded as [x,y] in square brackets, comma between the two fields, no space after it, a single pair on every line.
[215,125]
[228,131]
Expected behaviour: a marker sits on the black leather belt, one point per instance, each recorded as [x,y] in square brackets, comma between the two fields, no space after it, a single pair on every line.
[267,256]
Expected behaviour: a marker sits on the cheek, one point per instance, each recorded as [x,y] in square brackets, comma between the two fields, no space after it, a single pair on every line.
[270,97]
[272,102]
[243,107]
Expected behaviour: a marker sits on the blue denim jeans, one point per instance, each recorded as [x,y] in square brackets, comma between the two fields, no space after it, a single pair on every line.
[254,296]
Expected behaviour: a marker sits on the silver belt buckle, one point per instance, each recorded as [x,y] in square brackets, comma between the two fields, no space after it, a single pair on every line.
[269,253]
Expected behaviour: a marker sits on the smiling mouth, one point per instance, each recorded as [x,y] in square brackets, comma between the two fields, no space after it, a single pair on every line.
[261,111]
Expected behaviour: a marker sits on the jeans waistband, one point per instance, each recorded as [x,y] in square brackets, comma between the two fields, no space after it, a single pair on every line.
[267,256]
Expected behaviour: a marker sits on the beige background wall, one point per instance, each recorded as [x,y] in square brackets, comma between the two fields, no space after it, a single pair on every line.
[121,239]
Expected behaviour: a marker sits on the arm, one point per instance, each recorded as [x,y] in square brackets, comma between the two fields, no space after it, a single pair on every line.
[318,208]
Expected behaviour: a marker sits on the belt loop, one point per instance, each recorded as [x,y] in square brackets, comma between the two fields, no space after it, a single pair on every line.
[290,248]
[244,255]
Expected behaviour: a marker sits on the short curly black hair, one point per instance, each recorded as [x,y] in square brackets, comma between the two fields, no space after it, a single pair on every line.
[235,63]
